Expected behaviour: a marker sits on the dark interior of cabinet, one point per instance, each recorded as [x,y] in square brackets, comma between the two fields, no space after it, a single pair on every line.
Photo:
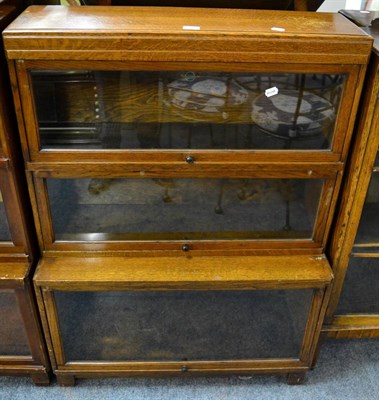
[182,325]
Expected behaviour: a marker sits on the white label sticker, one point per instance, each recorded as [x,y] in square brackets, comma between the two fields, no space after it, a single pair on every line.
[277,29]
[191,28]
[272,91]
[364,12]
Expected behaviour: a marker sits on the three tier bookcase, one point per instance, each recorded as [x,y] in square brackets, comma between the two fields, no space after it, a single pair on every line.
[184,167]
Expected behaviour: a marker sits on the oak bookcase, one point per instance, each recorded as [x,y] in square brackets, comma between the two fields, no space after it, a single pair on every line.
[184,168]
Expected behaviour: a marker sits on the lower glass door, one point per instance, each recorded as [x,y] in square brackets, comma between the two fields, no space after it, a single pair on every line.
[360,293]
[13,339]
[182,325]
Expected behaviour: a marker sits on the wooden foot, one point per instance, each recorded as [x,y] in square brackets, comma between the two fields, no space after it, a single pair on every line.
[66,380]
[295,378]
[41,379]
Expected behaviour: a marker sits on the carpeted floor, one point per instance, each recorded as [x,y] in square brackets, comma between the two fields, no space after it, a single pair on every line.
[346,370]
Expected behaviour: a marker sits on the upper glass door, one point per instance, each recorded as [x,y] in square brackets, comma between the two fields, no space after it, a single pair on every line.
[86,109]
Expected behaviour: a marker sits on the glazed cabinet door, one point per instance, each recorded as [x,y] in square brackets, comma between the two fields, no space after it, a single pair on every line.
[13,235]
[181,213]
[180,331]
[166,113]
[13,337]
[353,311]
[180,326]
[360,294]
[5,234]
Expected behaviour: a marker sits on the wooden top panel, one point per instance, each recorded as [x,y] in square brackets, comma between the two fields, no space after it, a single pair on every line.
[184,273]
[163,19]
[368,21]
[184,34]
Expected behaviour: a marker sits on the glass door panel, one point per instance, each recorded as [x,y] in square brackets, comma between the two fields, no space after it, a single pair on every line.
[185,110]
[143,209]
[4,227]
[13,340]
[360,293]
[182,325]
[368,231]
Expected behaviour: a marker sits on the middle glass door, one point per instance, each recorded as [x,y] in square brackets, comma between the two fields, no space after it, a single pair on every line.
[92,209]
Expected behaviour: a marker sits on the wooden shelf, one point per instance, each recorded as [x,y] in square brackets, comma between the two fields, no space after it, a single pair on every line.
[13,274]
[183,273]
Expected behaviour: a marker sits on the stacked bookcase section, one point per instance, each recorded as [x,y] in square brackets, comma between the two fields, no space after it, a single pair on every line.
[22,348]
[354,305]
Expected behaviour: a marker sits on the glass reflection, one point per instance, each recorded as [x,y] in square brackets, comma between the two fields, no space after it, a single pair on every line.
[187,109]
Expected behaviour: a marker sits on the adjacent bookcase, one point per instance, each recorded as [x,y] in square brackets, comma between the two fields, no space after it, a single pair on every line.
[354,305]
[22,346]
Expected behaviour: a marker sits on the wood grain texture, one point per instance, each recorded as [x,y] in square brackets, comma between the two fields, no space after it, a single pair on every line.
[356,320]
[66,376]
[182,169]
[53,326]
[353,326]
[13,274]
[45,327]
[184,273]
[143,33]
[312,321]
[354,333]
[146,19]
